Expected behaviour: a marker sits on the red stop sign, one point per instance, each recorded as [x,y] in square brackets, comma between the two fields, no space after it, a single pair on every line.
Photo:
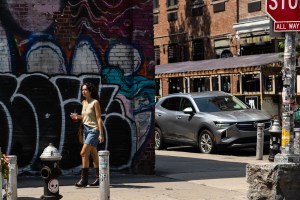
[283,10]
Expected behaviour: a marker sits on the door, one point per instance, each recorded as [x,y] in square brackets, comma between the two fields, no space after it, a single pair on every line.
[186,123]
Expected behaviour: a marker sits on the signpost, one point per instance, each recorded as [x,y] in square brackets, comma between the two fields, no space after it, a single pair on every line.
[286,16]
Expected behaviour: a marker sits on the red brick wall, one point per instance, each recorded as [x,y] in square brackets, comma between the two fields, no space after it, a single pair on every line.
[209,26]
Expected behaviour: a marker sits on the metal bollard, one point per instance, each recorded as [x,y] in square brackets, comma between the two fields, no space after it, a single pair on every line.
[104,175]
[12,192]
[260,141]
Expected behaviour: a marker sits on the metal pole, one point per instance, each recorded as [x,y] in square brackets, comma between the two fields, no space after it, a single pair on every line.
[260,141]
[12,192]
[104,175]
[297,141]
[1,179]
[288,93]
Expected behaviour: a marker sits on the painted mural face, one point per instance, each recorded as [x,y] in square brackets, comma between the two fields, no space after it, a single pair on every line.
[39,16]
[48,49]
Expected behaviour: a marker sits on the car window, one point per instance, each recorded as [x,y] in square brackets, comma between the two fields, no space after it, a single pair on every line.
[171,103]
[219,103]
[185,103]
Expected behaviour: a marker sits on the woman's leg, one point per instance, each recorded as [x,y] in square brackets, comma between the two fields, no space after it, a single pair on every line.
[85,151]
[94,155]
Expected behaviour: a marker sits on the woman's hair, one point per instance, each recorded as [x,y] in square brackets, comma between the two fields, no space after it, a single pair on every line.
[93,90]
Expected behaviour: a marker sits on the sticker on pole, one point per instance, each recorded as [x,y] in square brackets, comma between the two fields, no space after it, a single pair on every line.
[285,137]
[53,185]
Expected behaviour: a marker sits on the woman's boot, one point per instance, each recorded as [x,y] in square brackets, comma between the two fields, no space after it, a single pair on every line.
[83,182]
[96,182]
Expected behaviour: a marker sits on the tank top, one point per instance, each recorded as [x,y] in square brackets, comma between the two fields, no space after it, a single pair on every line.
[88,114]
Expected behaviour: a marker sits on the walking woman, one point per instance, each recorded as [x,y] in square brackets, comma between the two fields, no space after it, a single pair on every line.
[93,132]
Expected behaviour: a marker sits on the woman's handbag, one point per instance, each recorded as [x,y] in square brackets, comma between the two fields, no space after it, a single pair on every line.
[80,133]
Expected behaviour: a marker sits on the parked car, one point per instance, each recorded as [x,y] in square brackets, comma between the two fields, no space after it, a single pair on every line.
[207,120]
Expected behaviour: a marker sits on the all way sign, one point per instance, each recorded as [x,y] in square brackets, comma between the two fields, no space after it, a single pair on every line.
[286,26]
[285,14]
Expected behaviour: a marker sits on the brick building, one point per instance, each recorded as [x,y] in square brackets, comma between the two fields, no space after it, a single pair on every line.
[205,29]
[202,35]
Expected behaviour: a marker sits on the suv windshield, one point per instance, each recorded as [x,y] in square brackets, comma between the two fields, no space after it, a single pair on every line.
[219,103]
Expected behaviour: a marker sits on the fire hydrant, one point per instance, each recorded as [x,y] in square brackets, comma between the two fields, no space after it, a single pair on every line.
[50,172]
[275,139]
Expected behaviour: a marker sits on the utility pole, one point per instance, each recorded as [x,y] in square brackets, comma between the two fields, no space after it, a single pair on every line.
[288,101]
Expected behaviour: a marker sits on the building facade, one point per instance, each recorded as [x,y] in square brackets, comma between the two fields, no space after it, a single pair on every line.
[192,32]
[48,49]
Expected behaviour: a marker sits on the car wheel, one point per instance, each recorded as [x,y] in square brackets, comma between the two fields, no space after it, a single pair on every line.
[206,142]
[158,139]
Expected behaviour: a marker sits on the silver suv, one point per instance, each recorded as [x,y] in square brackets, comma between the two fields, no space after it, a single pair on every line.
[207,120]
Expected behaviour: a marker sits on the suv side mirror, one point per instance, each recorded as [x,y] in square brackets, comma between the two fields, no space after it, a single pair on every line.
[188,110]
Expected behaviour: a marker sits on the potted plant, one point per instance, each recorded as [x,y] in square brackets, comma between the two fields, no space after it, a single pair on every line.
[5,167]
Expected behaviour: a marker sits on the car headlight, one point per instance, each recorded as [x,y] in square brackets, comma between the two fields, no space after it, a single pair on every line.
[223,124]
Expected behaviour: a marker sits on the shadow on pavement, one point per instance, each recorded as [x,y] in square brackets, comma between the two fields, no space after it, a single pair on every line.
[169,168]
[234,152]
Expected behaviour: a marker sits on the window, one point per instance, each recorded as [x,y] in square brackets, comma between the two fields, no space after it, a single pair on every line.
[182,56]
[225,84]
[200,84]
[197,11]
[172,53]
[175,85]
[172,103]
[157,87]
[268,80]
[197,7]
[254,6]
[251,82]
[185,103]
[215,83]
[219,7]
[198,50]
[279,83]
[157,55]
[155,4]
[155,19]
[171,3]
[219,103]
[172,16]
[222,48]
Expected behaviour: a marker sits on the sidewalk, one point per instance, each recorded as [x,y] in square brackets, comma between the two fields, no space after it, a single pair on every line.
[129,187]
[179,176]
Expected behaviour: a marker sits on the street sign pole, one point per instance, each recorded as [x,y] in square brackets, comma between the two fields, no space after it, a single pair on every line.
[286,17]
[288,93]
[288,101]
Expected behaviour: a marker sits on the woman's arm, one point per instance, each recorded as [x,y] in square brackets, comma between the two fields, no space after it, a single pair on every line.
[75,117]
[99,120]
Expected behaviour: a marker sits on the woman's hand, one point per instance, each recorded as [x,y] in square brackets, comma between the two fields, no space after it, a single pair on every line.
[74,117]
[101,138]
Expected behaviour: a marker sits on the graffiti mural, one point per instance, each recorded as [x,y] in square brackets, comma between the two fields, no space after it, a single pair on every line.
[48,49]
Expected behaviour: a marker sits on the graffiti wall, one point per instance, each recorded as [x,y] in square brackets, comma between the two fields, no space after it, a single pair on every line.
[48,49]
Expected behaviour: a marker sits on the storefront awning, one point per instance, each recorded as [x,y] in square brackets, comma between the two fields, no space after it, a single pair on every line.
[222,63]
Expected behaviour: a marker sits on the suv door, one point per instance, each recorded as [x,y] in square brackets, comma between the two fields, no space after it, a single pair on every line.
[186,124]
[167,116]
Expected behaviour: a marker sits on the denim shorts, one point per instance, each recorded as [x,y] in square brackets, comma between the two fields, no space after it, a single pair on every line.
[91,136]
